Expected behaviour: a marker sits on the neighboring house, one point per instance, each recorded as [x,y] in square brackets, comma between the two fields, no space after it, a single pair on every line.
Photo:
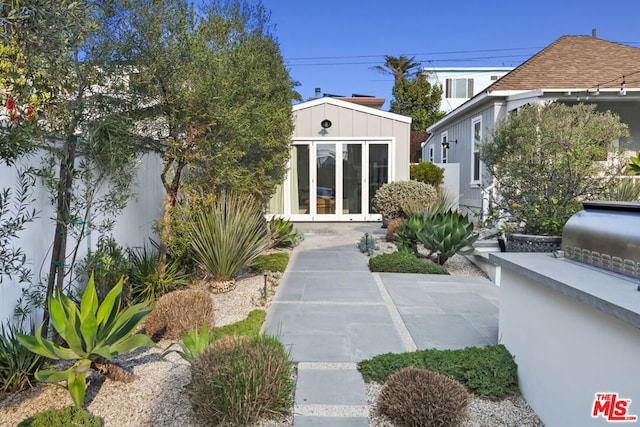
[459,84]
[341,153]
[356,98]
[572,69]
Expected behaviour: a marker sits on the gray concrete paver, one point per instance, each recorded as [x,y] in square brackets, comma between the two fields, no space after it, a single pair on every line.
[330,387]
[316,421]
[330,310]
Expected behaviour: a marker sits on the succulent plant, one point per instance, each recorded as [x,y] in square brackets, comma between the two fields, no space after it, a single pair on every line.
[408,232]
[93,333]
[447,234]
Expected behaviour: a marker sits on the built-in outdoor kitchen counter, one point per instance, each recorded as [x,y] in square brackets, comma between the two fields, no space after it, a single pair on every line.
[572,325]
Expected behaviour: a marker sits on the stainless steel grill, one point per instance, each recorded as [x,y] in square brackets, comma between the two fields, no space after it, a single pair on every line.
[606,235]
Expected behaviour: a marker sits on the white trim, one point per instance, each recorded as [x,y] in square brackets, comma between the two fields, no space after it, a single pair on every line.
[458,111]
[475,149]
[312,143]
[352,106]
[444,153]
[431,153]
[346,138]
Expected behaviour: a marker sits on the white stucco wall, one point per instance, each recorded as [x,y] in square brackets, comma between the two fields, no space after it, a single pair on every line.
[567,350]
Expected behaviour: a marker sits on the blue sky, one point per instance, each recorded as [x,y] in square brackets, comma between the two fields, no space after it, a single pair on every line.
[358,33]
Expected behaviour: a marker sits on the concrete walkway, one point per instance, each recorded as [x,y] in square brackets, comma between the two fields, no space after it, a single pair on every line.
[332,312]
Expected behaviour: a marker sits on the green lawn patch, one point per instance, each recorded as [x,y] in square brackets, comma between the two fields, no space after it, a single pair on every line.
[401,262]
[271,262]
[247,327]
[489,372]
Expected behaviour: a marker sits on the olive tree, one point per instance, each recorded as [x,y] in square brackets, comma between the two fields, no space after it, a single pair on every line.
[70,97]
[218,95]
[547,158]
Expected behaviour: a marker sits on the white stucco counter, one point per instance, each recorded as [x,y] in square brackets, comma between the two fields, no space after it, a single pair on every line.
[574,331]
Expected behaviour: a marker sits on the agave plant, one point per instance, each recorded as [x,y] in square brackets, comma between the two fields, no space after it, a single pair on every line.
[633,167]
[447,234]
[409,231]
[193,343]
[93,333]
[283,234]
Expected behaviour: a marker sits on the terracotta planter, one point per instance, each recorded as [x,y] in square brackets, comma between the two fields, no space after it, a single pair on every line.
[532,243]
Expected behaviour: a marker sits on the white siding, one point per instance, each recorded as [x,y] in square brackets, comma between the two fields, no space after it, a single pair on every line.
[482,78]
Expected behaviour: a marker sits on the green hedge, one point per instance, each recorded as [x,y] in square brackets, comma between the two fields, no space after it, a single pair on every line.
[402,262]
[489,372]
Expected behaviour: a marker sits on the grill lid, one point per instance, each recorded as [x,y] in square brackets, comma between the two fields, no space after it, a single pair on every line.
[606,235]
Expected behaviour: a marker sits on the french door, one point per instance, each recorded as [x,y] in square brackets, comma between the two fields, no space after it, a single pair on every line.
[335,180]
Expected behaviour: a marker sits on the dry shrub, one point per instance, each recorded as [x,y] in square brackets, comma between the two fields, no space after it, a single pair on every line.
[178,312]
[391,229]
[419,397]
[239,380]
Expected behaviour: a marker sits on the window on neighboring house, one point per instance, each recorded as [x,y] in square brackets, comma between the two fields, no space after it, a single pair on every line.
[459,88]
[431,153]
[444,150]
[476,139]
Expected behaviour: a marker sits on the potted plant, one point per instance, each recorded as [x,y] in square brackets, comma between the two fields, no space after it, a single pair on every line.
[546,159]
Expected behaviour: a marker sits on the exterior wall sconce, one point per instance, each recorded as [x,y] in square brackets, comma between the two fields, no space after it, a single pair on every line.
[326,124]
[445,144]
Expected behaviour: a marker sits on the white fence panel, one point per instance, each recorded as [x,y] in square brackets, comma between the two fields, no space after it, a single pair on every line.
[133,227]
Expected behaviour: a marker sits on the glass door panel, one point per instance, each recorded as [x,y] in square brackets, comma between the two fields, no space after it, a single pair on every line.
[378,168]
[351,178]
[326,179]
[300,180]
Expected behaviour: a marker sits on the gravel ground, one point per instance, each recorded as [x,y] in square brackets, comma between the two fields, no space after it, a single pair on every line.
[510,412]
[158,396]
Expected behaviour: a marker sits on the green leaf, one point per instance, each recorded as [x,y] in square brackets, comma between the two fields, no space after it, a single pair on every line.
[76,381]
[89,302]
[57,351]
[108,310]
[89,329]
[131,343]
[127,322]
[58,312]
[71,332]
[103,351]
[37,344]
[31,343]
[52,375]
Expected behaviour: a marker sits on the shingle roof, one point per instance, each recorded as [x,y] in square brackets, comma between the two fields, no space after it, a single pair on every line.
[575,62]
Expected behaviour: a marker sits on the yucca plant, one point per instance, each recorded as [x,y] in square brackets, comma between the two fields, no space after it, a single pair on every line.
[625,190]
[17,364]
[448,234]
[93,333]
[227,235]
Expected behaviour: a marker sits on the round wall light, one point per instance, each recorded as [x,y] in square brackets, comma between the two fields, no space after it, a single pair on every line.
[326,124]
